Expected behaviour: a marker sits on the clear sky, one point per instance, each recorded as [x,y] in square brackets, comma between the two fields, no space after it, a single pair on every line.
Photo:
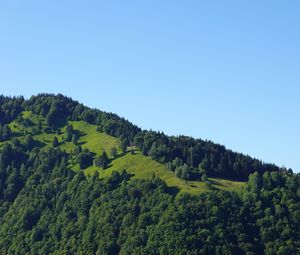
[228,71]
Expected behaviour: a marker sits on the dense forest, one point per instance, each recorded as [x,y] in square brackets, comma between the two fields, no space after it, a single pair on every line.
[47,208]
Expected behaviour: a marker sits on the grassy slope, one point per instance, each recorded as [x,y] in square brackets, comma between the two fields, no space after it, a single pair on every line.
[91,139]
[139,165]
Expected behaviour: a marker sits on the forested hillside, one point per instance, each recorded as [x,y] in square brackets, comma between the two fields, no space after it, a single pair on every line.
[75,180]
[189,158]
[47,209]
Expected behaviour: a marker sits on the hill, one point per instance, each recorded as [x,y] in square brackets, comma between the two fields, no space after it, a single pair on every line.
[75,180]
[189,158]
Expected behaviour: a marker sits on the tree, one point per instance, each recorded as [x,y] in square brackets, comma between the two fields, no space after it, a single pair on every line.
[204,177]
[192,157]
[1,133]
[124,144]
[69,132]
[40,125]
[144,151]
[255,181]
[103,160]
[203,166]
[29,142]
[178,171]
[23,170]
[75,139]
[85,159]
[171,166]
[55,142]
[185,172]
[6,132]
[50,119]
[114,152]
[88,116]
[77,150]
[16,142]
[177,162]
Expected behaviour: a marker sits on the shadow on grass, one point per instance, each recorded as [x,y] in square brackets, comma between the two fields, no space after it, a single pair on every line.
[110,164]
[79,133]
[37,131]
[93,154]
[213,182]
[38,144]
[60,122]
[173,190]
[80,143]
[17,134]
[61,143]
[129,174]
[119,155]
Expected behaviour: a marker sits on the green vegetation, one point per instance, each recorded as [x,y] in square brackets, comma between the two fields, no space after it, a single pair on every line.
[79,181]
[140,166]
[93,140]
[47,209]
[144,168]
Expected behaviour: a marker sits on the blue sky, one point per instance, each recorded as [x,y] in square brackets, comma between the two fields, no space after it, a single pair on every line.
[228,71]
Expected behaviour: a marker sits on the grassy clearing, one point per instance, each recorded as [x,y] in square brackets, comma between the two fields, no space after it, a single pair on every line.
[93,140]
[21,131]
[138,165]
[143,167]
